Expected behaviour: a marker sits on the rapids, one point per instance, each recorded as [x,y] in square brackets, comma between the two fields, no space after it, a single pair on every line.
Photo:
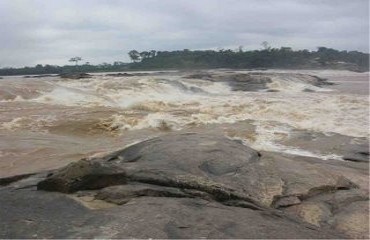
[47,122]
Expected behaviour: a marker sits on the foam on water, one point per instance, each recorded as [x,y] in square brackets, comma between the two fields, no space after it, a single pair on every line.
[290,84]
[214,102]
[267,135]
[172,103]
[35,123]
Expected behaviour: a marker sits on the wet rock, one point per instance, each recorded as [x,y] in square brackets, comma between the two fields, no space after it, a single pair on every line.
[259,81]
[75,75]
[321,81]
[308,90]
[205,76]
[119,75]
[237,82]
[358,156]
[8,180]
[40,76]
[352,149]
[248,82]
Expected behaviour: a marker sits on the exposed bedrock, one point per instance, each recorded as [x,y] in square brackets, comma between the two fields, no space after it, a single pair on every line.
[75,75]
[258,81]
[189,186]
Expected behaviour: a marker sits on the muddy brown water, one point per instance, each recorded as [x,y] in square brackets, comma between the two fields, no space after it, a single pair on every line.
[48,122]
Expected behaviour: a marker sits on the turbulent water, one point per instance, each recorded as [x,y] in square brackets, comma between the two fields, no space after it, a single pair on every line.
[48,122]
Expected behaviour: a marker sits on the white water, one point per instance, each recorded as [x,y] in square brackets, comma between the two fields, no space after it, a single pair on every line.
[172,102]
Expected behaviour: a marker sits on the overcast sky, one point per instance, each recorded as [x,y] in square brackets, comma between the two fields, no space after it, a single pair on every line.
[33,31]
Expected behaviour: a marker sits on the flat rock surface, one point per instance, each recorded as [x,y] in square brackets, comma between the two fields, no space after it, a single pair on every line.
[187,185]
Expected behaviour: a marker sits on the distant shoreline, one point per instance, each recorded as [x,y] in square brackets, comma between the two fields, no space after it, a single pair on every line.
[268,58]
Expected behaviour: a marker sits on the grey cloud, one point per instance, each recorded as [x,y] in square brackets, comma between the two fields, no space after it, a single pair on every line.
[35,31]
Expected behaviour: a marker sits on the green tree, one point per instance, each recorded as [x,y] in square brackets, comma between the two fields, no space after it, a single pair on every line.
[75,59]
[153,53]
[266,45]
[134,55]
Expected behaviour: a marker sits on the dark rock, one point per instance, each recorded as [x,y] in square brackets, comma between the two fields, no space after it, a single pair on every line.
[321,81]
[287,201]
[7,180]
[308,90]
[204,76]
[75,75]
[359,156]
[40,76]
[258,81]
[238,82]
[183,186]
[248,82]
[82,175]
[123,193]
[189,161]
[120,75]
[27,213]
[36,214]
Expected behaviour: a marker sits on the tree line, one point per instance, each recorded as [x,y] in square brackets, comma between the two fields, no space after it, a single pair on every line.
[283,57]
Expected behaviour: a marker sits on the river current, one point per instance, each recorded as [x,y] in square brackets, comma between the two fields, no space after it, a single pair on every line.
[48,122]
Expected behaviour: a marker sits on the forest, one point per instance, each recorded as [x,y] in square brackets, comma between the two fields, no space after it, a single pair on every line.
[283,57]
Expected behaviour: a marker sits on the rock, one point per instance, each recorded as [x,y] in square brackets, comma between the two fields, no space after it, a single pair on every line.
[353,220]
[40,76]
[351,148]
[312,212]
[223,168]
[358,156]
[258,81]
[11,179]
[188,185]
[237,82]
[320,81]
[119,75]
[345,210]
[123,193]
[26,213]
[75,75]
[305,179]
[248,82]
[82,175]
[287,201]
[201,75]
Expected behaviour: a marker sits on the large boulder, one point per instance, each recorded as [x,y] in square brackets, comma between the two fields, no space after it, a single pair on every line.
[226,170]
[188,185]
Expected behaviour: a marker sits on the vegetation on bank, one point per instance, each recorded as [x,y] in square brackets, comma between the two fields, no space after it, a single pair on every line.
[268,57]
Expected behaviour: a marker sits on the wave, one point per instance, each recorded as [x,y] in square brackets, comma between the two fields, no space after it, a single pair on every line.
[174,102]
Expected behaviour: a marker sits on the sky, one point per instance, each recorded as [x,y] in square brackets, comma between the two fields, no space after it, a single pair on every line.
[52,31]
